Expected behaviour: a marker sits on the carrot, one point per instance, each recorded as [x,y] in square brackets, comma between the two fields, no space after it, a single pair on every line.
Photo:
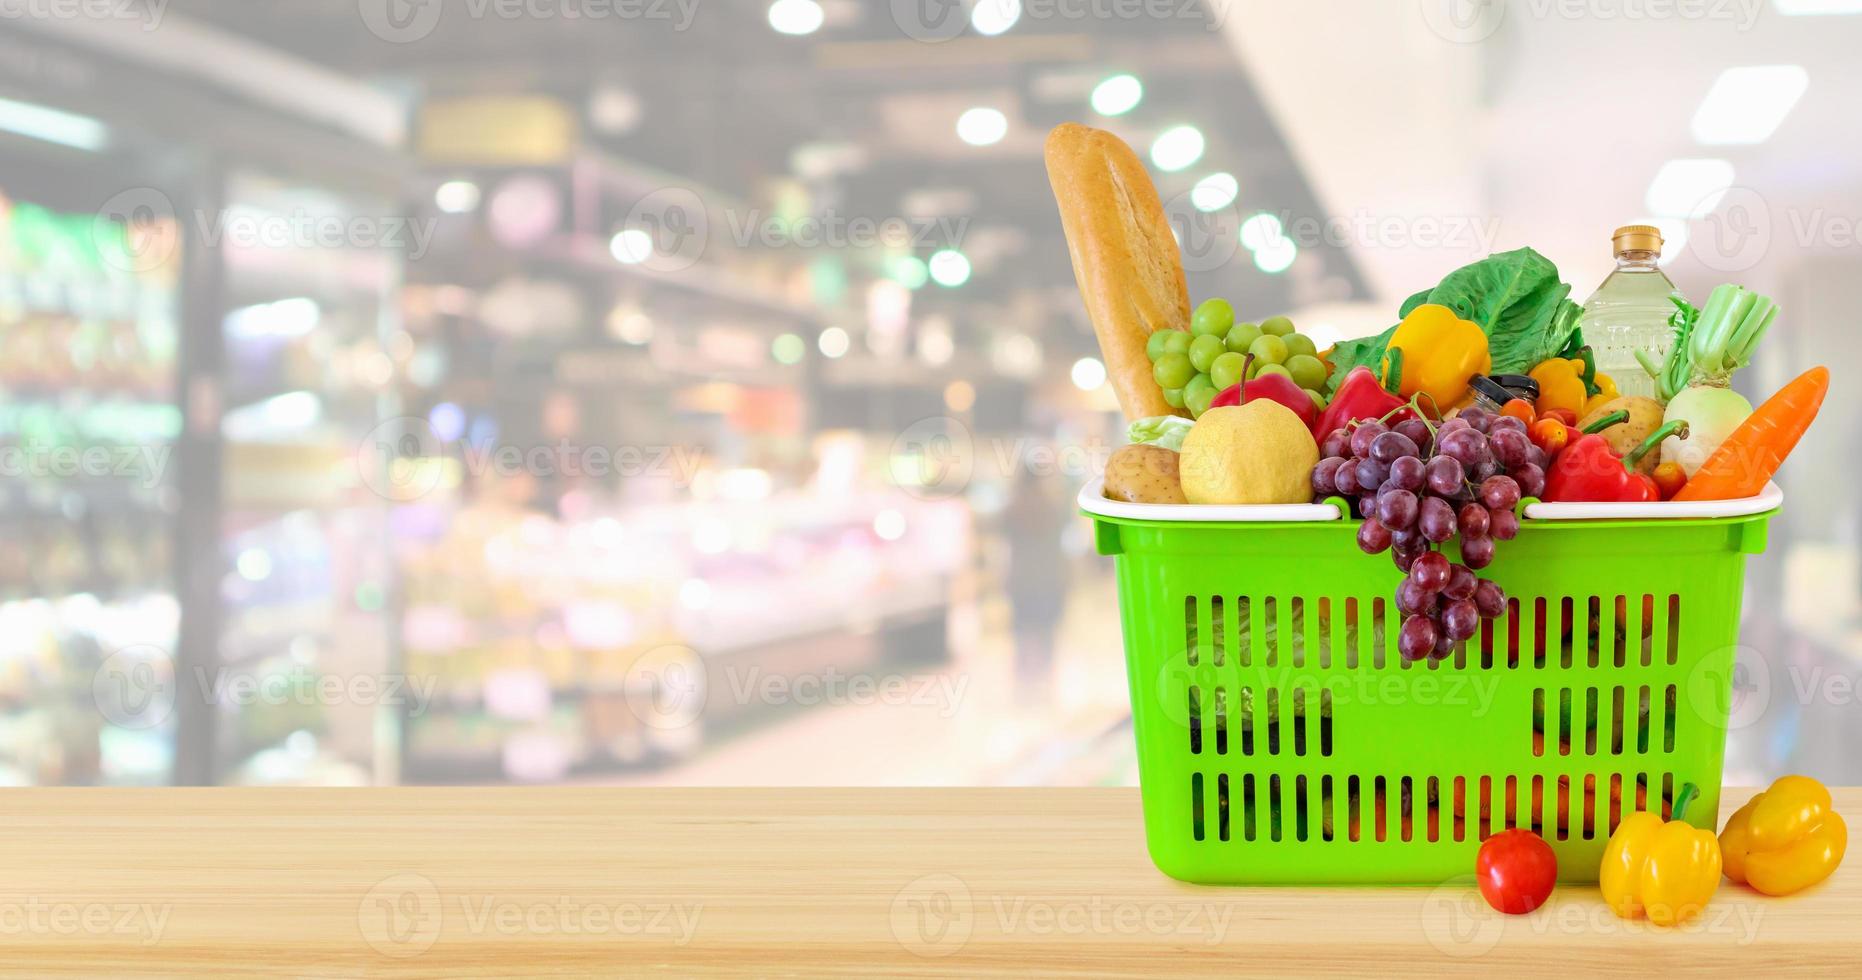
[1749,457]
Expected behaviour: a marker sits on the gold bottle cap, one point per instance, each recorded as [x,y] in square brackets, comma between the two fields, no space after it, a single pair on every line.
[1637,238]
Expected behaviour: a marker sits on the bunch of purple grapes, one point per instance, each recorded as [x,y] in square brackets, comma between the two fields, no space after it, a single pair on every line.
[1416,486]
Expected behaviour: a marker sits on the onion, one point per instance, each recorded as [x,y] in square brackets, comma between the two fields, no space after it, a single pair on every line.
[1710,343]
[1712,412]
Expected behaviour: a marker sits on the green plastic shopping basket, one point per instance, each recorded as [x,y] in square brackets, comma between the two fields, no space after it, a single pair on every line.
[1282,739]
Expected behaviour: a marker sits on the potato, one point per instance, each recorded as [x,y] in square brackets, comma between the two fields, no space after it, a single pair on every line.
[1645,416]
[1143,474]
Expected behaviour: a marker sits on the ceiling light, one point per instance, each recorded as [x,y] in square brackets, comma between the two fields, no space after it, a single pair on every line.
[1277,257]
[833,342]
[949,268]
[935,346]
[982,126]
[796,17]
[992,17]
[1261,231]
[448,421]
[524,209]
[1176,148]
[630,326]
[889,525]
[1214,192]
[1088,373]
[1674,236]
[1689,188]
[631,246]
[787,348]
[613,110]
[292,317]
[909,271]
[254,565]
[1117,95]
[1746,105]
[52,125]
[1811,8]
[456,197]
[959,395]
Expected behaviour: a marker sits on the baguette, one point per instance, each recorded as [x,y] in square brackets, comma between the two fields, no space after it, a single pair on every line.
[1124,256]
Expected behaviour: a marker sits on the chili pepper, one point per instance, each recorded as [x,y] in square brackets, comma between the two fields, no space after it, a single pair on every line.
[1603,389]
[1441,351]
[1550,435]
[1565,382]
[1669,479]
[1360,396]
[1666,871]
[1589,470]
[1786,838]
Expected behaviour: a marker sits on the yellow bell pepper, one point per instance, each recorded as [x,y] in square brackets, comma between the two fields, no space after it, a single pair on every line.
[1606,390]
[1664,870]
[1561,385]
[1435,353]
[1786,838]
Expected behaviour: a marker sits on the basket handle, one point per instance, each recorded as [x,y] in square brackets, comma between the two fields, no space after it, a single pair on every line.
[1753,534]
[1105,538]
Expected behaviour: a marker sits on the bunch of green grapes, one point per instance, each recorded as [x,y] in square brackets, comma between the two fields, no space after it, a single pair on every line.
[1195,365]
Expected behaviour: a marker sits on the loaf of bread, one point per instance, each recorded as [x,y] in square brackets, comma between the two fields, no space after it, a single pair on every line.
[1124,257]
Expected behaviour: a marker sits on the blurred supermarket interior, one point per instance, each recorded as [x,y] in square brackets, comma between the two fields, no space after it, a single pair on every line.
[694,393]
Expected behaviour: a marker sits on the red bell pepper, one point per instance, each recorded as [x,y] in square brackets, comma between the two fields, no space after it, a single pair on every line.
[1361,396]
[1273,387]
[1589,470]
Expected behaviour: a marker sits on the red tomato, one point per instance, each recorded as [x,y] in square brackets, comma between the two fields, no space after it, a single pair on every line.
[1516,869]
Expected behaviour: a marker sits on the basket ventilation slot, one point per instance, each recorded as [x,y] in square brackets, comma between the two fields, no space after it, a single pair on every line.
[1561,631]
[1254,719]
[1591,721]
[1275,808]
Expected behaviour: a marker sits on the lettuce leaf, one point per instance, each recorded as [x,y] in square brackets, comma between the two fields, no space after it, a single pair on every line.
[1160,430]
[1515,297]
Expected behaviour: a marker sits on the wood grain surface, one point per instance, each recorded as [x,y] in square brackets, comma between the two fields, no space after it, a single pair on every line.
[804,882]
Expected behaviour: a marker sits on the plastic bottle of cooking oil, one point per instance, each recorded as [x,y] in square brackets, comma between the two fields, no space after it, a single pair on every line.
[1630,311]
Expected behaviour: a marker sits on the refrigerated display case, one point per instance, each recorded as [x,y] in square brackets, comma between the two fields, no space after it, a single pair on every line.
[88,610]
[310,353]
[563,647]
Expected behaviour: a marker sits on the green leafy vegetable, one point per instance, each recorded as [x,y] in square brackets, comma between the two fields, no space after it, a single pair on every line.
[1160,430]
[1711,342]
[1515,297]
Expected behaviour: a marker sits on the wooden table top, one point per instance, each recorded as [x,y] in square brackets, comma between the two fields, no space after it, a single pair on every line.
[806,882]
